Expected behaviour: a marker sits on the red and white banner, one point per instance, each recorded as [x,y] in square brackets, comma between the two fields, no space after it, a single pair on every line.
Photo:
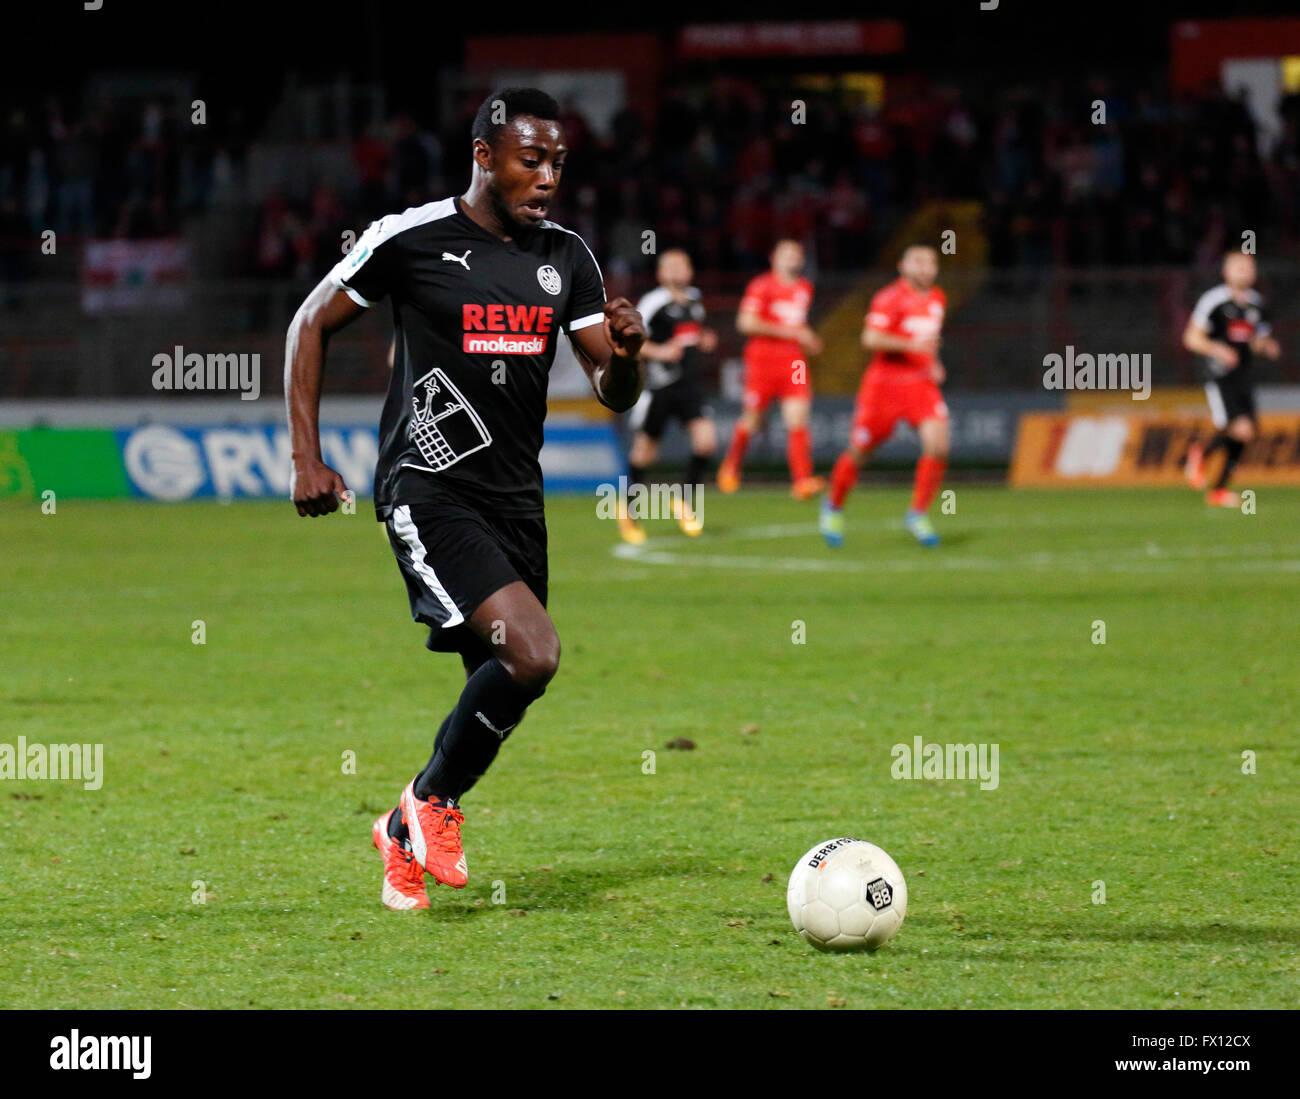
[134,275]
[804,38]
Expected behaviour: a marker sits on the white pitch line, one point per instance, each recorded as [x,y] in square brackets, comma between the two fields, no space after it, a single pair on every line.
[1149,558]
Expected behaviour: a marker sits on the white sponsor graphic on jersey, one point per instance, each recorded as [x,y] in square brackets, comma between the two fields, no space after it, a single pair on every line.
[447,428]
[549,277]
[449,258]
[504,344]
[791,312]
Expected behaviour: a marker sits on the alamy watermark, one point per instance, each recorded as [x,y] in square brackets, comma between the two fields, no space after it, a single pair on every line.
[94,1052]
[661,500]
[939,762]
[1085,371]
[25,762]
[214,372]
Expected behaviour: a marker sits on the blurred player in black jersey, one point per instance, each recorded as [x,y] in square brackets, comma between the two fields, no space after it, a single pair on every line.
[481,286]
[1229,326]
[677,340]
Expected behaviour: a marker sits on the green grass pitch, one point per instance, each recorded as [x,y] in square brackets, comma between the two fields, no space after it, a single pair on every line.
[594,884]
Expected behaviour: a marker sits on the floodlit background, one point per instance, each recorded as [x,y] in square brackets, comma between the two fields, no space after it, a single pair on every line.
[1085,182]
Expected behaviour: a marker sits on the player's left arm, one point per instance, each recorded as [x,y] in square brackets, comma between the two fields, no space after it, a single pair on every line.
[610,353]
[938,372]
[1265,343]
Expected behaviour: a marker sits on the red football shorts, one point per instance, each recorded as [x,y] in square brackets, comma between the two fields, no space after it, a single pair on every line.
[768,378]
[882,402]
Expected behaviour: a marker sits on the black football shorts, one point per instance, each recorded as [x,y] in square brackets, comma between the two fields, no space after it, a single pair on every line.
[453,556]
[1230,396]
[657,408]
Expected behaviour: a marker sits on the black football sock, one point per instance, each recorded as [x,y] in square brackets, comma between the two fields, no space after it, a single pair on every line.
[1220,440]
[436,744]
[697,469]
[396,826]
[396,829]
[635,476]
[1234,448]
[491,704]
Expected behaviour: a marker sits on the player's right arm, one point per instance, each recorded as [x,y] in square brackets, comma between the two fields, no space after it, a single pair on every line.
[1197,340]
[1196,336]
[669,352]
[314,486]
[664,350]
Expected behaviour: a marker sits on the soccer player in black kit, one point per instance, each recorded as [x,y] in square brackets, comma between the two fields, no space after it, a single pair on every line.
[677,339]
[1229,326]
[481,286]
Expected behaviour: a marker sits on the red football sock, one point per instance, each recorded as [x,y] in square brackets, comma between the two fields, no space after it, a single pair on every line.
[798,452]
[739,442]
[843,477]
[929,476]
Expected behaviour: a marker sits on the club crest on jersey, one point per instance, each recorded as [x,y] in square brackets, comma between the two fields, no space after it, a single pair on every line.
[549,277]
[446,429]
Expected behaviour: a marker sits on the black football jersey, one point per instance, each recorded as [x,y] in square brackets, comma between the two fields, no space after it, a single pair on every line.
[476,322]
[665,318]
[1221,318]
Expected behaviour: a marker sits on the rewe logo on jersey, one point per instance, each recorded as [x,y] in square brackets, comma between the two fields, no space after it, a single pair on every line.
[506,329]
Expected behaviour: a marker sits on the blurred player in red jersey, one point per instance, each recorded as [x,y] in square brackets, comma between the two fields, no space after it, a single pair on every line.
[774,315]
[901,382]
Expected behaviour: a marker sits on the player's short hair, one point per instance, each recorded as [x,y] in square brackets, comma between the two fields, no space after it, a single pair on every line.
[491,119]
[919,244]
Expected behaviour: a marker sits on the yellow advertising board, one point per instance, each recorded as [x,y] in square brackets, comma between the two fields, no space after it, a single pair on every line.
[1105,449]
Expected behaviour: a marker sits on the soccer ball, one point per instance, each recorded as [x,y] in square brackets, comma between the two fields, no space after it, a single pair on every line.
[846,894]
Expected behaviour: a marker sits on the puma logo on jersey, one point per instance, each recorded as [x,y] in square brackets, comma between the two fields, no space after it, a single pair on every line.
[447,256]
[501,733]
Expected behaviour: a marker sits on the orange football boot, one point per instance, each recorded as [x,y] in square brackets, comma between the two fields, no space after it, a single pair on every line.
[692,525]
[807,487]
[435,837]
[1222,498]
[728,478]
[403,879]
[632,532]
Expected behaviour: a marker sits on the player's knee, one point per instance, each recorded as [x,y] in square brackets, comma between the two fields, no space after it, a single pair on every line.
[534,660]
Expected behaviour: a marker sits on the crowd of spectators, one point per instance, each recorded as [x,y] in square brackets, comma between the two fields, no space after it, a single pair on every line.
[724,165]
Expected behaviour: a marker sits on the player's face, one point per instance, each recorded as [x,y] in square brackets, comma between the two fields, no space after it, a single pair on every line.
[675,270]
[920,266]
[1239,271]
[523,169]
[787,259]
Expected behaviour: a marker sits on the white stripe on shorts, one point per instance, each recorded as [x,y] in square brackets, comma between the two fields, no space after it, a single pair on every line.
[636,419]
[1218,413]
[404,528]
